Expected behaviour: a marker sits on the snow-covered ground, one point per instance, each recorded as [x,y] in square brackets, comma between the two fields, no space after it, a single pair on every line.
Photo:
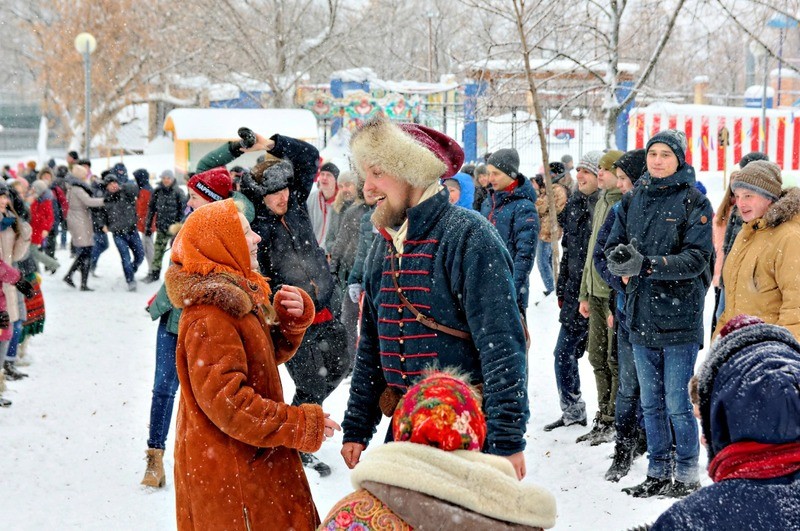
[73,442]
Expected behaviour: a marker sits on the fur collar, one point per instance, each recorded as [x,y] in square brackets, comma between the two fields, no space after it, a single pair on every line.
[784,209]
[482,483]
[218,290]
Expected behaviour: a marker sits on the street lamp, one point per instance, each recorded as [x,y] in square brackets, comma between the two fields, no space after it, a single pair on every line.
[85,43]
[759,51]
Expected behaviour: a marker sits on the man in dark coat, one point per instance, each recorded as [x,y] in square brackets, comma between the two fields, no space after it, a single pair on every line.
[120,205]
[439,291]
[661,247]
[576,219]
[511,208]
[289,254]
[749,391]
[166,206]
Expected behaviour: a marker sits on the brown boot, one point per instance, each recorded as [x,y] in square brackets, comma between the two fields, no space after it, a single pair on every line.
[154,475]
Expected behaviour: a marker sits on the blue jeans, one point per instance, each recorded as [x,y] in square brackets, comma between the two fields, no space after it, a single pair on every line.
[165,385]
[628,412]
[11,345]
[664,375]
[100,246]
[544,259]
[570,347]
[128,243]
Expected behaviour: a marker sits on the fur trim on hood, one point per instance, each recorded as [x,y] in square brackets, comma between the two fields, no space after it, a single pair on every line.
[381,143]
[784,209]
[485,484]
[216,289]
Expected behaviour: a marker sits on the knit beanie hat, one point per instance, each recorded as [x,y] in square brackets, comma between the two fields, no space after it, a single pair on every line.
[39,187]
[632,163]
[752,156]
[414,153]
[609,158]
[442,411]
[214,184]
[590,161]
[674,139]
[505,160]
[276,177]
[330,167]
[142,177]
[762,177]
[557,170]
[167,174]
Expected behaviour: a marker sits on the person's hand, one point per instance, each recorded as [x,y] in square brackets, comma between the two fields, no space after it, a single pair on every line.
[292,301]
[45,233]
[354,291]
[610,321]
[148,232]
[351,452]
[715,281]
[262,144]
[583,309]
[330,426]
[105,229]
[518,462]
[25,287]
[625,260]
[5,321]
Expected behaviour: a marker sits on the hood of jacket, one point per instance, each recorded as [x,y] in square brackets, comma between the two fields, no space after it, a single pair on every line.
[784,209]
[467,190]
[748,388]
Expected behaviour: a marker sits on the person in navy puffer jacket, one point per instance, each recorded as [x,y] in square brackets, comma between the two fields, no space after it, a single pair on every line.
[438,292]
[749,390]
[511,208]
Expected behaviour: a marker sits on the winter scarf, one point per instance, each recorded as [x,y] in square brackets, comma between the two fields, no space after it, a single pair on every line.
[212,241]
[754,460]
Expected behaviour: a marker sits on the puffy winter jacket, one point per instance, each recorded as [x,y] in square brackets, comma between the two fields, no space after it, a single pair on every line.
[166,207]
[121,209]
[576,219]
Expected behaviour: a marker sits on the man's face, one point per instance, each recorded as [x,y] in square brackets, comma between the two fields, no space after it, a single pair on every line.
[278,202]
[606,180]
[498,179]
[167,181]
[587,181]
[112,187]
[661,161]
[348,190]
[327,184]
[751,205]
[624,182]
[392,195]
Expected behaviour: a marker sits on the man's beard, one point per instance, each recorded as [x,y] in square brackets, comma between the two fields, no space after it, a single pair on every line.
[386,216]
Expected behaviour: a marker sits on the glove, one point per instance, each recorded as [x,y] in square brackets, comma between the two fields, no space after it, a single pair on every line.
[354,290]
[625,260]
[24,287]
[5,322]
[561,302]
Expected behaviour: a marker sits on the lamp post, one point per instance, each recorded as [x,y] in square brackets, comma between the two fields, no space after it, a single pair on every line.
[85,43]
[760,52]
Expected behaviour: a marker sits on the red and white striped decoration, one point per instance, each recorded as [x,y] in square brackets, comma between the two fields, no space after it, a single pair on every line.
[702,124]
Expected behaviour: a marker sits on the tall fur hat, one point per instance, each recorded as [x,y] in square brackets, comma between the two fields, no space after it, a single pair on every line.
[415,153]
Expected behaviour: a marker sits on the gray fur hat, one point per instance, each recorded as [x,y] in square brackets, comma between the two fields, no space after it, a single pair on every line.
[276,177]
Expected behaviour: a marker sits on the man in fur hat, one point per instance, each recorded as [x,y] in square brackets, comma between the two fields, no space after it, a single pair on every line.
[439,291]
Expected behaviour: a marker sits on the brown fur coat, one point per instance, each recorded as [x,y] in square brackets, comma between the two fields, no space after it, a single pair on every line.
[236,452]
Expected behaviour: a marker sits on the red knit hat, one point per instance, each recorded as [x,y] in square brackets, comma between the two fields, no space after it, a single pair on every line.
[214,185]
[441,411]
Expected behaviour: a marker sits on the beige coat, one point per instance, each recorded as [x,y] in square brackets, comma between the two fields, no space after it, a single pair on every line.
[79,221]
[14,247]
[543,208]
[762,271]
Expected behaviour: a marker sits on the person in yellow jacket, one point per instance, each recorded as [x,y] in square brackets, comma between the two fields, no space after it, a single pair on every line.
[762,271]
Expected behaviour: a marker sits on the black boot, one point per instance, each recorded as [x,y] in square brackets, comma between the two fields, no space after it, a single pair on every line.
[681,490]
[85,276]
[623,458]
[11,372]
[560,423]
[605,433]
[595,426]
[312,462]
[151,277]
[4,402]
[650,487]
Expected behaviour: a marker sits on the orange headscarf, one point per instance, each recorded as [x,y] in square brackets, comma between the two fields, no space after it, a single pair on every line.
[212,241]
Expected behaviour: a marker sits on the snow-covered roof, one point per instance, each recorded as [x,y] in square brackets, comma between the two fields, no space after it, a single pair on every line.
[515,66]
[222,124]
[663,107]
[413,87]
[757,91]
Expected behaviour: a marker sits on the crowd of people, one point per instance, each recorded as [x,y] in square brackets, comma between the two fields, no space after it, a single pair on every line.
[410,274]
